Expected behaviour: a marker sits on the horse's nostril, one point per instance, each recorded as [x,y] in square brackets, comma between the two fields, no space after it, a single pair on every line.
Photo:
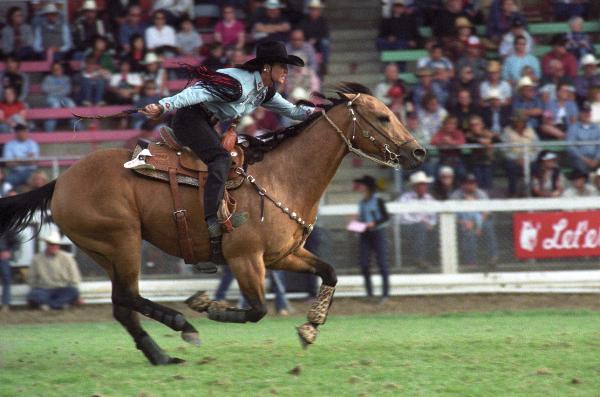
[419,154]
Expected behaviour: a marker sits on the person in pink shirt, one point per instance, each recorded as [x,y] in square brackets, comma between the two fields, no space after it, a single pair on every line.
[229,31]
[560,52]
[447,138]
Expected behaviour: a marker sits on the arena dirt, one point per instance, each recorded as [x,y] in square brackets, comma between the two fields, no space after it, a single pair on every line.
[428,305]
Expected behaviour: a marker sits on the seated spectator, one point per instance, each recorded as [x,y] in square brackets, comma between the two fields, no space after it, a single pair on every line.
[579,186]
[547,179]
[567,9]
[125,86]
[474,58]
[12,111]
[502,15]
[399,106]
[161,37]
[102,54]
[12,77]
[133,26]
[92,81]
[88,26]
[444,24]
[400,31]
[155,72]
[216,58]
[517,28]
[435,59]
[305,78]
[301,48]
[589,79]
[465,81]
[135,56]
[585,158]
[21,148]
[426,86]
[149,94]
[272,25]
[528,102]
[316,32]
[431,114]
[52,34]
[9,243]
[496,116]
[481,160]
[559,114]
[230,32]
[494,82]
[391,78]
[17,36]
[475,225]
[419,226]
[556,76]
[422,135]
[447,139]
[53,277]
[559,52]
[456,47]
[175,10]
[445,184]
[464,108]
[57,87]
[514,64]
[189,41]
[518,157]
[579,43]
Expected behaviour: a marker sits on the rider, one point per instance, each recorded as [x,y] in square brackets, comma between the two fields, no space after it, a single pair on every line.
[226,95]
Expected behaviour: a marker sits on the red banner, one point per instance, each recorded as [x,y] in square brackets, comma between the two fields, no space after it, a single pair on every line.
[556,234]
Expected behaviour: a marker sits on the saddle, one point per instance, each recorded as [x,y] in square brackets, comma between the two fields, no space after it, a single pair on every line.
[168,161]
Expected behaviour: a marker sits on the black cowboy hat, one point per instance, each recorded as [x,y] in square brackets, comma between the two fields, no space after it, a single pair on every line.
[367,180]
[273,52]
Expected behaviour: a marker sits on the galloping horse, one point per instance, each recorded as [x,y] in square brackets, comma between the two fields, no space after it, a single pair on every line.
[107,211]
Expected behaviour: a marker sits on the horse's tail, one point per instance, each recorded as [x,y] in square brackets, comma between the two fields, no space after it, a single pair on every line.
[16,212]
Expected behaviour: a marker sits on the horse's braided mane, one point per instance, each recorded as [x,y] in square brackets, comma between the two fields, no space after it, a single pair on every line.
[257,147]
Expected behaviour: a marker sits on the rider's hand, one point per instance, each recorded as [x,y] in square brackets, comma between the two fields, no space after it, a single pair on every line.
[152,110]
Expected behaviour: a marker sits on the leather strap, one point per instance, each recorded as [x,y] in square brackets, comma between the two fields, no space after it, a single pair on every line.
[180,215]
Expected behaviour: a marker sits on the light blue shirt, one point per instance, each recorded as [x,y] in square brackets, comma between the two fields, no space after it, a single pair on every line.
[253,94]
[16,149]
[584,132]
[513,67]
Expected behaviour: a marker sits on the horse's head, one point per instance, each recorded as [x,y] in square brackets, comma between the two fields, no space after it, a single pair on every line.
[375,132]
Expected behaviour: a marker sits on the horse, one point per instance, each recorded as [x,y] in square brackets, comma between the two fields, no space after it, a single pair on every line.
[107,210]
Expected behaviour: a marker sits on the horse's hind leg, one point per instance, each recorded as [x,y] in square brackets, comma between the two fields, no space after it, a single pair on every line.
[304,262]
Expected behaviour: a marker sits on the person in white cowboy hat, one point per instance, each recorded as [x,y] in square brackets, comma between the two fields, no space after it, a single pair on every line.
[496,115]
[154,71]
[272,26]
[514,64]
[419,226]
[316,32]
[547,180]
[528,101]
[53,276]
[588,79]
[88,25]
[52,33]
[225,95]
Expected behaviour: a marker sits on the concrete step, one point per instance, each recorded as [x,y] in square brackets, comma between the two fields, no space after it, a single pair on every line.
[363,67]
[355,56]
[345,23]
[365,44]
[369,80]
[354,13]
[338,35]
[344,4]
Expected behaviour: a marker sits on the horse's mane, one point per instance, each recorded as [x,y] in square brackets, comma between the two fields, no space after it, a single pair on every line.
[256,147]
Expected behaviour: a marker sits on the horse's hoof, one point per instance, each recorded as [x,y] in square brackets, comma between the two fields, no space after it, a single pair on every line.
[191,337]
[199,301]
[308,334]
[175,360]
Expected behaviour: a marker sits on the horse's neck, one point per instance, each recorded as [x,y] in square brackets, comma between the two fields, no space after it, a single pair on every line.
[301,169]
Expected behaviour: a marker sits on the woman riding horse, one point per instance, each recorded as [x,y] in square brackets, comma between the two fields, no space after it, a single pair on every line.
[226,95]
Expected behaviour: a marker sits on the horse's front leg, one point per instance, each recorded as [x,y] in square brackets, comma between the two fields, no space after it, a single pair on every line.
[304,262]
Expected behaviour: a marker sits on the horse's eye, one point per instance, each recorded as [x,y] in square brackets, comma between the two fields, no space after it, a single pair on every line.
[384,119]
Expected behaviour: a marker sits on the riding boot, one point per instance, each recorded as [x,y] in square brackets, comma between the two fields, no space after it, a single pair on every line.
[216,236]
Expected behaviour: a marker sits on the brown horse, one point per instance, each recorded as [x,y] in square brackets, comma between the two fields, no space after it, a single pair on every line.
[107,210]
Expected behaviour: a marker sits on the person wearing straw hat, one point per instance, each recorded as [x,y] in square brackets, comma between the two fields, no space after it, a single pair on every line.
[524,138]
[272,26]
[52,34]
[528,101]
[494,81]
[588,79]
[227,94]
[53,276]
[87,26]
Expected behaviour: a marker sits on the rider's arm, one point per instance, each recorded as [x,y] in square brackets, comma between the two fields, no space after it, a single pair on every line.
[189,96]
[280,105]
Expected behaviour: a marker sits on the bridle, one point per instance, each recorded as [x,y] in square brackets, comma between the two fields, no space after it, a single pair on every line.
[389,157]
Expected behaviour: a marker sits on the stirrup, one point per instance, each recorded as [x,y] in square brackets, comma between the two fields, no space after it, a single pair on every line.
[216,251]
[204,267]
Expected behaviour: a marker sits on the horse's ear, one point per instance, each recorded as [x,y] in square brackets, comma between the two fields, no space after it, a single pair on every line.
[347,97]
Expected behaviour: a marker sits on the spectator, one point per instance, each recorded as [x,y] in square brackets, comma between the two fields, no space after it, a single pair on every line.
[559,114]
[391,78]
[473,57]
[464,30]
[515,157]
[589,79]
[436,59]
[155,72]
[12,77]
[20,148]
[444,24]
[567,9]
[137,53]
[464,82]
[305,78]
[316,32]
[495,83]
[496,116]
[445,184]
[481,159]
[17,36]
[528,102]
[52,34]
[102,55]
[373,214]
[175,10]
[547,179]
[475,225]
[427,86]
[125,86]
[579,43]
[57,88]
[419,133]
[230,32]
[517,28]
[398,106]
[579,186]
[216,58]
[88,26]
[584,158]
[133,26]
[514,64]
[161,37]
[188,40]
[272,25]
[92,81]
[431,115]
[12,111]
[149,94]
[9,243]
[419,226]
[502,15]
[559,52]
[447,139]
[53,277]
[464,109]
[400,31]
[301,48]
[555,77]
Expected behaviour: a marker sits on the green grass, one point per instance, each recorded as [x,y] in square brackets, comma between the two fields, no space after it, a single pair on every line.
[541,353]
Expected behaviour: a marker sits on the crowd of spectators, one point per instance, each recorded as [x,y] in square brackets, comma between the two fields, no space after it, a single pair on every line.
[486,86]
